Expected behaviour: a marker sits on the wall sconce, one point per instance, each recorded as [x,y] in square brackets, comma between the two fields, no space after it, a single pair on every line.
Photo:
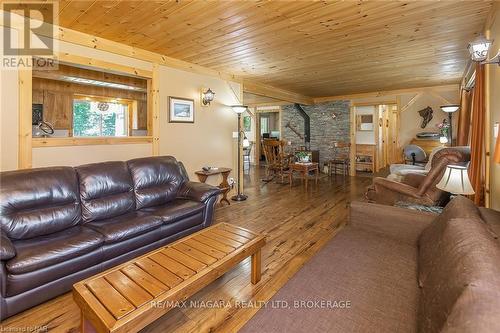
[479,48]
[207,96]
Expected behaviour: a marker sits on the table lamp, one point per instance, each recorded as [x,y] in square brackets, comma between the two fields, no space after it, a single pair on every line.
[456,181]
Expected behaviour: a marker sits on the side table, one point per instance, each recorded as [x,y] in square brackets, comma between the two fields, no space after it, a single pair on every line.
[304,169]
[224,185]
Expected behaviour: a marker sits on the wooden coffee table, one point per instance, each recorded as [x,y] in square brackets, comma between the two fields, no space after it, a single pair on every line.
[130,296]
[304,169]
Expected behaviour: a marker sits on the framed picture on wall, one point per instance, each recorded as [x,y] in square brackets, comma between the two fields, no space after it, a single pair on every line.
[247,123]
[181,110]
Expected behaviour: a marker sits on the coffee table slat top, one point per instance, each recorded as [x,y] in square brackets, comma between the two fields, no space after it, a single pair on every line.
[119,299]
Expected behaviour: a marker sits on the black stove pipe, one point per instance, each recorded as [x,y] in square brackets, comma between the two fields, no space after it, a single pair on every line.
[307,124]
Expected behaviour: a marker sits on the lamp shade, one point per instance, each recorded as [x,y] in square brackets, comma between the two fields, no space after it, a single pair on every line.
[450,108]
[239,108]
[455,180]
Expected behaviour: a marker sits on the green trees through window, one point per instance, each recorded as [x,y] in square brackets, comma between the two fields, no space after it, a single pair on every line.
[89,120]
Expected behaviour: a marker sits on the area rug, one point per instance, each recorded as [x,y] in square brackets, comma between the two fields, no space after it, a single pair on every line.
[346,287]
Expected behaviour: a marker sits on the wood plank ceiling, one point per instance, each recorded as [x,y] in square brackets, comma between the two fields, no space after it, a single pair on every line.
[319,48]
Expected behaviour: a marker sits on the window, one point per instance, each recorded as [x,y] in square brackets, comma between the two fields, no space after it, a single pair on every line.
[264,125]
[100,117]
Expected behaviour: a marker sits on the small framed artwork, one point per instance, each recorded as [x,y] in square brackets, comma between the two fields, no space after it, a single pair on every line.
[181,110]
[247,123]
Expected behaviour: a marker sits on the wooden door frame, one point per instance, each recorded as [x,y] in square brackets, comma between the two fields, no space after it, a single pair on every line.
[376,105]
[257,113]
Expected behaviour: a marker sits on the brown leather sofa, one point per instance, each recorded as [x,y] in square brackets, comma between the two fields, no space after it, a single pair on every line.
[60,225]
[417,188]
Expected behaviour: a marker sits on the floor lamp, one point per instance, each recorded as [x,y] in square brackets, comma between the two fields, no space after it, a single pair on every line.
[239,109]
[449,109]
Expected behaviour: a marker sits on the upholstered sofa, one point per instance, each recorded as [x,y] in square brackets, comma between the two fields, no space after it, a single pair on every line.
[60,225]
[397,270]
[419,188]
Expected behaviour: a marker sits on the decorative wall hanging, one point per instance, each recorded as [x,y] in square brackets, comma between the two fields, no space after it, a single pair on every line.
[426,115]
[181,110]
[247,123]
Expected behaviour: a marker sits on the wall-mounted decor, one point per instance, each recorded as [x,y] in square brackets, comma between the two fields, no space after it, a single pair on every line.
[181,110]
[365,122]
[207,96]
[426,115]
[247,123]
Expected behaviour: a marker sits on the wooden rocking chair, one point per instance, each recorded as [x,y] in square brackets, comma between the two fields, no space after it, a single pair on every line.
[277,162]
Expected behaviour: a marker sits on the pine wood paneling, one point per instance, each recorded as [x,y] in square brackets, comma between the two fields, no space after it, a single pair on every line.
[312,48]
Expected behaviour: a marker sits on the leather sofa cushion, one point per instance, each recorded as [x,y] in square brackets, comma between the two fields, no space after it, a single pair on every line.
[463,267]
[126,226]
[20,283]
[156,180]
[38,202]
[7,250]
[175,210]
[40,252]
[106,190]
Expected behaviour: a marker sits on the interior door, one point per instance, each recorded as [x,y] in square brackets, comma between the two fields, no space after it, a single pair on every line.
[393,143]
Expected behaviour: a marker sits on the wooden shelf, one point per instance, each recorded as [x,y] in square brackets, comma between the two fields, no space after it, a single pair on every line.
[365,151]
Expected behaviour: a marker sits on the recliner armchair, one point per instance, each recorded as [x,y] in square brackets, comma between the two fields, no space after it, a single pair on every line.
[417,188]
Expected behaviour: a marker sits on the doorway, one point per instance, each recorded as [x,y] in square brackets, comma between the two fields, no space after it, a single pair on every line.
[377,137]
[268,126]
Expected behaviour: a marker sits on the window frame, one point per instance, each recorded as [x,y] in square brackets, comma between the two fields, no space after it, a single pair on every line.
[153,110]
[131,111]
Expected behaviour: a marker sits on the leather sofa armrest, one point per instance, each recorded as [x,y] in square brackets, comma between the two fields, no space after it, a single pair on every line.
[382,184]
[397,223]
[413,179]
[7,250]
[197,191]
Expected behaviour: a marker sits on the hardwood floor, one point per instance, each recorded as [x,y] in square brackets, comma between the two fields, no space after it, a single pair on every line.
[297,224]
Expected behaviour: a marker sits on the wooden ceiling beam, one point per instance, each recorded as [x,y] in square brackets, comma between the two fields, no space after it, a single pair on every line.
[449,87]
[277,93]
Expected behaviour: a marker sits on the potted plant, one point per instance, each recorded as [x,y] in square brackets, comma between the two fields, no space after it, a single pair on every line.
[302,156]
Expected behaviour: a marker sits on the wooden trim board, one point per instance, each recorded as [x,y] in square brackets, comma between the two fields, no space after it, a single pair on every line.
[387,93]
[81,141]
[277,93]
